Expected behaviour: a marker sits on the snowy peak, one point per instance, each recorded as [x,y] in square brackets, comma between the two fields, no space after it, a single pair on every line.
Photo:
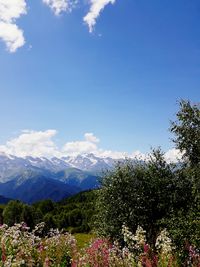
[89,162]
[12,166]
[54,164]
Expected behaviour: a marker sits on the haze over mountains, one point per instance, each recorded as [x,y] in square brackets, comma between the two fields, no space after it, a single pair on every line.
[31,179]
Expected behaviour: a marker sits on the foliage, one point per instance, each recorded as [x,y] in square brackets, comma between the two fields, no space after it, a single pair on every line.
[187,131]
[185,224]
[83,239]
[141,194]
[22,247]
[156,194]
[135,252]
[12,212]
[74,214]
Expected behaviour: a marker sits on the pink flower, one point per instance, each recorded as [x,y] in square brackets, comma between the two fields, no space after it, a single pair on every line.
[3,256]
[146,248]
[41,248]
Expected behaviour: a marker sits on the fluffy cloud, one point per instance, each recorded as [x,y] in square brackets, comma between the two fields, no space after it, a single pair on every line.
[11,10]
[96,6]
[111,154]
[12,36]
[173,155]
[10,33]
[88,145]
[90,137]
[41,144]
[59,6]
[32,143]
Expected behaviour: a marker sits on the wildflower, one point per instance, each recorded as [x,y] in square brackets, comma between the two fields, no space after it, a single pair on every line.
[134,242]
[146,248]
[3,256]
[164,243]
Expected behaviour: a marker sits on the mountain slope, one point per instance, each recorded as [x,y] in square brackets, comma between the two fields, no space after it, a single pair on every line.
[35,189]
[11,166]
[4,200]
[31,179]
[82,179]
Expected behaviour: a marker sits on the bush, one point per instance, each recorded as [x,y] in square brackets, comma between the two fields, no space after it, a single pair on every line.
[141,194]
[22,247]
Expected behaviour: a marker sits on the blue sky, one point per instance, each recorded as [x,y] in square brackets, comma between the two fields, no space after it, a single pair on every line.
[120,82]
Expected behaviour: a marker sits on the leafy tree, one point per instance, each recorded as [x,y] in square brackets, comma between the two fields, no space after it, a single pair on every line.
[187,140]
[27,215]
[45,206]
[1,214]
[187,131]
[185,225]
[75,217]
[49,222]
[12,212]
[38,216]
[137,194]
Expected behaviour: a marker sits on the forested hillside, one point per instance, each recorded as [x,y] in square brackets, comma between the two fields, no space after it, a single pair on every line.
[73,214]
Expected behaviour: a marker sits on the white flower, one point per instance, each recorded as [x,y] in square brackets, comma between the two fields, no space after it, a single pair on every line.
[164,243]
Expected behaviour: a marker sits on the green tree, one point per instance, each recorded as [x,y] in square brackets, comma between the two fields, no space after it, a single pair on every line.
[27,215]
[1,214]
[185,225]
[137,194]
[45,206]
[49,222]
[187,131]
[187,140]
[12,212]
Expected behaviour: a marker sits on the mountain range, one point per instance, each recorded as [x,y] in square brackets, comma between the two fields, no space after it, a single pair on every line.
[32,179]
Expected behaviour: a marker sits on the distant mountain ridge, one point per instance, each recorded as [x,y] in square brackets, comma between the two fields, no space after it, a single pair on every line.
[31,179]
[12,165]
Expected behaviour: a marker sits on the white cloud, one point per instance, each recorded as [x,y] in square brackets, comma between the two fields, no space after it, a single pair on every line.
[89,145]
[32,143]
[111,154]
[12,36]
[59,6]
[173,155]
[10,33]
[96,6]
[41,144]
[11,10]
[90,137]
[139,155]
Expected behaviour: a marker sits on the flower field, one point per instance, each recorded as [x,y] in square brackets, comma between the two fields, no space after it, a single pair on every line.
[22,247]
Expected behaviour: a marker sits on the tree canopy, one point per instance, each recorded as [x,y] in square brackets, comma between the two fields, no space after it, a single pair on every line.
[155,194]
[187,131]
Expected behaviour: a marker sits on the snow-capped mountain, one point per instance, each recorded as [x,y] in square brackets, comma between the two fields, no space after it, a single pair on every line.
[89,162]
[11,166]
[54,164]
[30,179]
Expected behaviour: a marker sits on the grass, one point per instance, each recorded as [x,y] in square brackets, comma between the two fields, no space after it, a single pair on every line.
[83,239]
